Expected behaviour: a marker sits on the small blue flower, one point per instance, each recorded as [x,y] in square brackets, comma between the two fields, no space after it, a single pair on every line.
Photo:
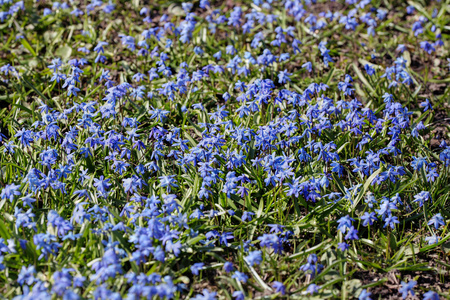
[407,288]
[352,234]
[364,295]
[254,258]
[434,239]
[391,221]
[313,289]
[422,197]
[430,295]
[228,267]
[240,276]
[369,69]
[368,218]
[206,295]
[283,76]
[247,216]
[437,220]
[195,268]
[343,246]
[9,191]
[426,105]
[238,295]
[279,287]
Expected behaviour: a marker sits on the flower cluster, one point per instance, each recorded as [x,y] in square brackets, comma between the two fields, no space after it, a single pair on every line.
[207,140]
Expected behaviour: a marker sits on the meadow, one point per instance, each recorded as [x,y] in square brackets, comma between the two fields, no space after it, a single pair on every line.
[294,149]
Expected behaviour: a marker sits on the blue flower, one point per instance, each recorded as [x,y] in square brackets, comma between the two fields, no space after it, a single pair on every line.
[364,295]
[426,105]
[102,185]
[437,220]
[230,50]
[175,248]
[217,55]
[207,295]
[369,69]
[246,215]
[254,258]
[368,218]
[434,239]
[418,162]
[430,295]
[9,191]
[46,243]
[343,246]
[26,275]
[228,267]
[224,237]
[352,234]
[168,182]
[238,295]
[312,267]
[198,50]
[28,200]
[422,197]
[279,287]
[313,289]
[345,223]
[410,9]
[337,168]
[271,241]
[427,46]
[283,76]
[391,221]
[240,276]
[195,268]
[407,288]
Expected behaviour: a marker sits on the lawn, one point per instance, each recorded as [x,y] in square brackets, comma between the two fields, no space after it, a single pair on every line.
[292,149]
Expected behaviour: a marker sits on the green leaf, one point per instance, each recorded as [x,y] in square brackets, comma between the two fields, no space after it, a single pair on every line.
[363,79]
[28,47]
